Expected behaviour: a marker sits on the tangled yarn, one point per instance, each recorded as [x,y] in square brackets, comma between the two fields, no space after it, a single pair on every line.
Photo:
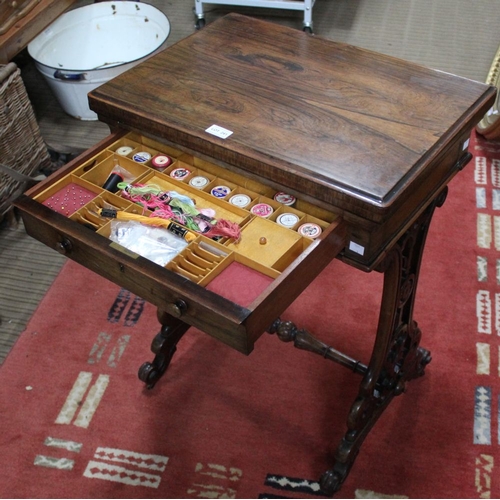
[175,206]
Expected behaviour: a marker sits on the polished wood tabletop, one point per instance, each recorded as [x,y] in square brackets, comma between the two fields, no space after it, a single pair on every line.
[348,126]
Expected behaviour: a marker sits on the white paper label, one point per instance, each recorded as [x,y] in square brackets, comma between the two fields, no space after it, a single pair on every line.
[354,247]
[218,131]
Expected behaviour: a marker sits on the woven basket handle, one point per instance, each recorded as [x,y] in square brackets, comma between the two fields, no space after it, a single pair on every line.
[7,70]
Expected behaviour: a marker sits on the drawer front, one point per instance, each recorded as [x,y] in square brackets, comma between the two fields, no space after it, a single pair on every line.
[230,290]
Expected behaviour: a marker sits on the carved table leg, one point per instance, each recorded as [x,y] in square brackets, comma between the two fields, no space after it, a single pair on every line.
[164,346]
[396,357]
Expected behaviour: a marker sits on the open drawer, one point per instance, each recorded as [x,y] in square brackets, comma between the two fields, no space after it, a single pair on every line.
[232,285]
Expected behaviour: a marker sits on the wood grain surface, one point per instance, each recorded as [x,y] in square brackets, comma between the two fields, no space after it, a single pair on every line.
[20,33]
[344,125]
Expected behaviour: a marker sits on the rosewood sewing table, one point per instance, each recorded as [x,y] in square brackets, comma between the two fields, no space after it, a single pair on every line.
[366,143]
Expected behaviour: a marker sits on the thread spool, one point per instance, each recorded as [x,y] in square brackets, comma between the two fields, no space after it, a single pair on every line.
[112,182]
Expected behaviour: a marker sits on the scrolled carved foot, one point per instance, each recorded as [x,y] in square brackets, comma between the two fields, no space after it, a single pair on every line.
[330,482]
[160,343]
[422,359]
[425,357]
[163,346]
[149,374]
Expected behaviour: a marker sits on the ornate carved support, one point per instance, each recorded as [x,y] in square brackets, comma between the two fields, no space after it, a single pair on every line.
[164,346]
[396,357]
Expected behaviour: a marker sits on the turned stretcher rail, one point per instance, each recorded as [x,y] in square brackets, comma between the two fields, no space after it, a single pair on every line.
[302,339]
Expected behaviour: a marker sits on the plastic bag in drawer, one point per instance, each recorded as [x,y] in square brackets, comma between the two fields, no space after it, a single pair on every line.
[153,243]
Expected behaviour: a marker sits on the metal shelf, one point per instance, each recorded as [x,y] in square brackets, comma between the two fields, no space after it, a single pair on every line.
[306,6]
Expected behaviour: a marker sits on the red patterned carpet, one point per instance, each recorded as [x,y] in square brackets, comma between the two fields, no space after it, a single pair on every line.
[77,422]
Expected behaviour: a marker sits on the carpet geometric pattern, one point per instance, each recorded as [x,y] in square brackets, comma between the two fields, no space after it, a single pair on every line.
[76,421]
[486,427]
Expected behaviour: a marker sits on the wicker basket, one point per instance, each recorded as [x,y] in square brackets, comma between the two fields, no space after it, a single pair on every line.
[21,145]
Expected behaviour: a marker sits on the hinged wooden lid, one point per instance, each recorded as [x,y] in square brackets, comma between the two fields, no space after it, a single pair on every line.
[346,126]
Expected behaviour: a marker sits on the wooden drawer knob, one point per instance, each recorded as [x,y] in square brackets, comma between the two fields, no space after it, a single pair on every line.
[64,246]
[176,309]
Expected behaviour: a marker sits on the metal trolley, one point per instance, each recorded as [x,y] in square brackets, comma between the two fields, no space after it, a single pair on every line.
[304,5]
